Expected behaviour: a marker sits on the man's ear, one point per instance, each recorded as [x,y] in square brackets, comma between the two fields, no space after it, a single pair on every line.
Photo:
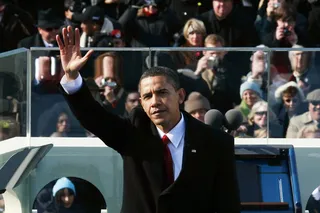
[182,95]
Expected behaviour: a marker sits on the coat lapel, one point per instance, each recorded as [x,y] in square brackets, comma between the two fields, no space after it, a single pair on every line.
[154,166]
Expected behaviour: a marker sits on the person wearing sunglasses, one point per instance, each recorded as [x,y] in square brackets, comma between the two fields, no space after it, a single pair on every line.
[48,26]
[311,117]
[258,122]
[290,102]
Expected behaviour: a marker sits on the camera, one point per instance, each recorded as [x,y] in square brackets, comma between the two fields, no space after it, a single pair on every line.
[276,5]
[105,83]
[286,32]
[213,61]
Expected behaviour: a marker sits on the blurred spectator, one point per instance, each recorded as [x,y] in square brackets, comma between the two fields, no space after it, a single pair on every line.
[258,122]
[93,24]
[310,131]
[48,27]
[235,25]
[258,73]
[186,9]
[275,81]
[47,74]
[150,24]
[290,102]
[197,105]
[194,33]
[304,71]
[64,193]
[230,22]
[283,31]
[314,26]
[132,101]
[312,117]
[74,7]
[9,118]
[15,24]
[219,73]
[283,26]
[63,126]
[250,94]
[109,77]
[113,8]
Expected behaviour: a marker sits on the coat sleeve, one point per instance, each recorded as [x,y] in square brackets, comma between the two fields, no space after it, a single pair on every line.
[114,131]
[293,129]
[227,189]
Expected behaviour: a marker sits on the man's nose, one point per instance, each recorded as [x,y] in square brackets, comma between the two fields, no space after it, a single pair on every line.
[155,100]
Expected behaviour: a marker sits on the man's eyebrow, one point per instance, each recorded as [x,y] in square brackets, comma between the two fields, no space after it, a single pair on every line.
[161,90]
[156,91]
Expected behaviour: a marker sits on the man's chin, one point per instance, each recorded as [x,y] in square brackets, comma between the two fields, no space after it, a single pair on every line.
[158,121]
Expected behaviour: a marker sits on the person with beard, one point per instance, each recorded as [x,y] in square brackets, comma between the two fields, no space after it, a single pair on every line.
[64,193]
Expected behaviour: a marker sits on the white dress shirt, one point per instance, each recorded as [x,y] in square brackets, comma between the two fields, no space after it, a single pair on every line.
[46,44]
[176,135]
[71,87]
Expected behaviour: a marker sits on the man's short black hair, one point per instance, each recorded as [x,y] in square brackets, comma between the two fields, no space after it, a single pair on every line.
[171,75]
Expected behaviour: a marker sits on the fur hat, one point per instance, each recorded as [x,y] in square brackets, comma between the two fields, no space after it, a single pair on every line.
[282,88]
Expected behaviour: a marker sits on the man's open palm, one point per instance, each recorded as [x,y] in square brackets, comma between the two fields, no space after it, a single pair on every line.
[70,53]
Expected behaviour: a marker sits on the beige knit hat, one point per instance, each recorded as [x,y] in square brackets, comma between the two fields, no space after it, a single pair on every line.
[196,101]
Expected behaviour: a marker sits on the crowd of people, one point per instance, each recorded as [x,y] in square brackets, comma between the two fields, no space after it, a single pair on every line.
[277,93]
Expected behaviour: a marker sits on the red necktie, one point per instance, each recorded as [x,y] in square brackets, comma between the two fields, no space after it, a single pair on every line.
[168,160]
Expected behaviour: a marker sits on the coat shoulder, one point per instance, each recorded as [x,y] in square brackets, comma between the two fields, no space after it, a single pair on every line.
[27,42]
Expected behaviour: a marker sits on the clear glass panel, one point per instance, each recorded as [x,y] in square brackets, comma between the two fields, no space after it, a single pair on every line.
[294,100]
[51,115]
[13,96]
[13,102]
[231,80]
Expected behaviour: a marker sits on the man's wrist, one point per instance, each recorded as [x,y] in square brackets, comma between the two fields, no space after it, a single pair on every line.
[71,76]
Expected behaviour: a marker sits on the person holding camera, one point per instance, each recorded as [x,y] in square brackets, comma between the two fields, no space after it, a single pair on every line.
[284,31]
[109,78]
[219,74]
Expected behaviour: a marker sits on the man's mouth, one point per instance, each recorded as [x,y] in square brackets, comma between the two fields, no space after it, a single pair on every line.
[157,112]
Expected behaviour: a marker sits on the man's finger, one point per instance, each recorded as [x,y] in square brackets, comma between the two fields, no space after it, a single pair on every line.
[87,55]
[65,37]
[71,36]
[60,44]
[77,38]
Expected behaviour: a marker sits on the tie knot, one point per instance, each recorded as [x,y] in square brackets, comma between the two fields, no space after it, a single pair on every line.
[165,140]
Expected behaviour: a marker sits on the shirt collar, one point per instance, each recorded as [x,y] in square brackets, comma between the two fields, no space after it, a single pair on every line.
[46,44]
[176,134]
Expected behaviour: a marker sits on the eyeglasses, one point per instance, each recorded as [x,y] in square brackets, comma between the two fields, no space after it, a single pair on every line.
[261,113]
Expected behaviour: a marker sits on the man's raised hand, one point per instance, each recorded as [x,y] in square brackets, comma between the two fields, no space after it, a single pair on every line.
[70,54]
